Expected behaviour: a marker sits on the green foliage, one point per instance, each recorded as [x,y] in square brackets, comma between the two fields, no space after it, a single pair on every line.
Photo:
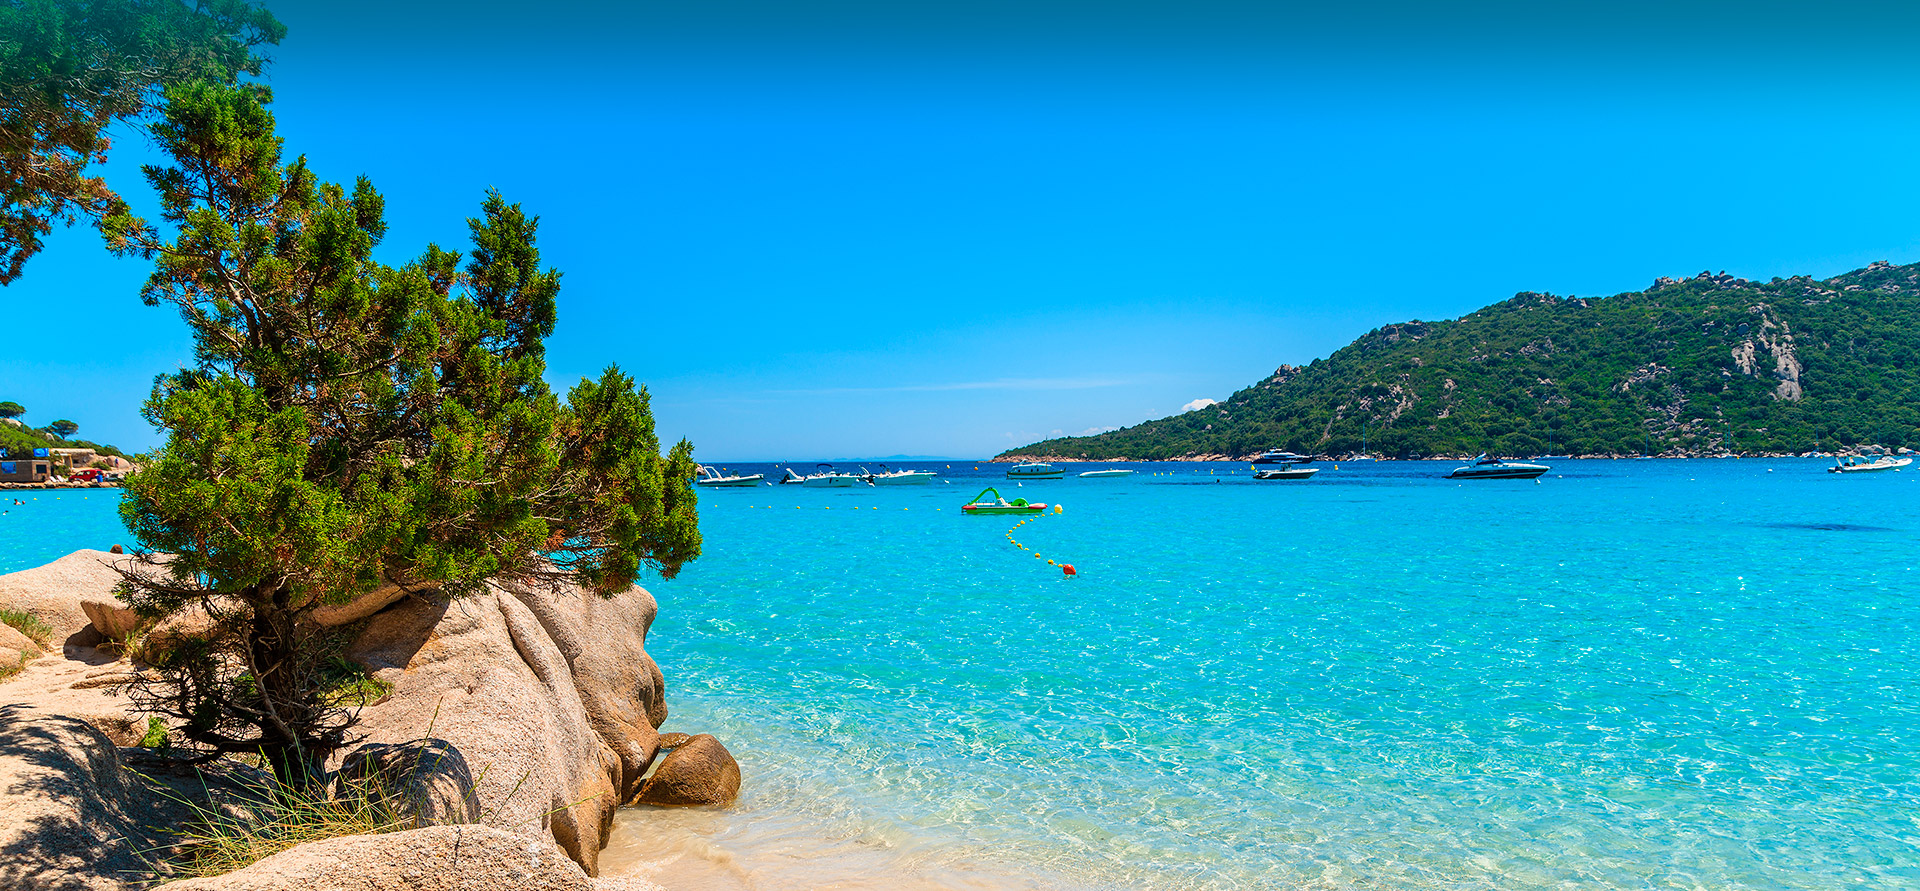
[156,735]
[19,442]
[1707,365]
[349,684]
[11,410]
[27,623]
[63,428]
[349,425]
[70,68]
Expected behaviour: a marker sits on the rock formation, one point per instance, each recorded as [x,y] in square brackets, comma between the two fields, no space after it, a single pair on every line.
[699,771]
[546,701]
[437,858]
[533,712]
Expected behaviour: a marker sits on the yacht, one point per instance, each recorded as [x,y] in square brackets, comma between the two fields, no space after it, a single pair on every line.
[711,477]
[1278,456]
[1284,472]
[1485,468]
[1034,471]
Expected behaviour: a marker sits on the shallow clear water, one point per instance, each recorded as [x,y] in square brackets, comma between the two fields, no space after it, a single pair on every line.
[1633,674]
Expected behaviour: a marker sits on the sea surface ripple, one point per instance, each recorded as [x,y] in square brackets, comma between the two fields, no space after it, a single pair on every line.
[1632,674]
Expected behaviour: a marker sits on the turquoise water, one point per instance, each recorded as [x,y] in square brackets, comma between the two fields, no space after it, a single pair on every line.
[1633,674]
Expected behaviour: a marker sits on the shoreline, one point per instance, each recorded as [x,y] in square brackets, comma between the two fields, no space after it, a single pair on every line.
[51,485]
[1231,459]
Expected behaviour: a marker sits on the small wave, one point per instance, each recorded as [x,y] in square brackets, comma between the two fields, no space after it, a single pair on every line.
[1829,527]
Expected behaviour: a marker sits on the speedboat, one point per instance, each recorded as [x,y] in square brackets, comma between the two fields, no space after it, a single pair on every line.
[1284,472]
[1034,471]
[711,477]
[1485,468]
[1277,456]
[1104,474]
[898,477]
[981,505]
[831,479]
[1851,464]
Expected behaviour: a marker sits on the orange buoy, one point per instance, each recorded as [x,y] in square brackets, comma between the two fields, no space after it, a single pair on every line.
[1067,570]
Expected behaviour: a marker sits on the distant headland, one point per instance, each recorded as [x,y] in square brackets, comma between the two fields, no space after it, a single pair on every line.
[1712,365]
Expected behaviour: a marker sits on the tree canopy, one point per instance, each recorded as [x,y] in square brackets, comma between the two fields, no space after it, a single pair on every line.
[11,410]
[63,428]
[348,425]
[70,68]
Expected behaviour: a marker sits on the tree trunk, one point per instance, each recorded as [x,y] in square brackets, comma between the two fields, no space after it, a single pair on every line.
[285,690]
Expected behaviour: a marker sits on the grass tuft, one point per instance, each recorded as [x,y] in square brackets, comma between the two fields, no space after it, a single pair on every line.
[218,840]
[27,623]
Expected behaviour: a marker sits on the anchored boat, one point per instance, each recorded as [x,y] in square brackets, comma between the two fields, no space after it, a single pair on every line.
[711,477]
[981,505]
[829,479]
[1851,464]
[1485,468]
[1034,471]
[1104,474]
[898,477]
[1277,456]
[1285,472]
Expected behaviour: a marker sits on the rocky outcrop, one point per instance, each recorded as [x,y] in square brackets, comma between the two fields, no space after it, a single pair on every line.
[15,648]
[107,616]
[541,706]
[437,858]
[70,818]
[531,711]
[698,771]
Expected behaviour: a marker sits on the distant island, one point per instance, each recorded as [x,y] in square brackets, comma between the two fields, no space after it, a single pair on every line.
[1704,366]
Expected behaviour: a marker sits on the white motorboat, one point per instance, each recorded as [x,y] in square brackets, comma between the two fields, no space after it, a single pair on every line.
[1485,468]
[1034,471]
[1284,472]
[1850,464]
[829,479]
[1277,456]
[898,477]
[711,477]
[1105,474]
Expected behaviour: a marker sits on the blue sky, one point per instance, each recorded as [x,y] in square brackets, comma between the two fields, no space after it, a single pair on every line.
[821,230]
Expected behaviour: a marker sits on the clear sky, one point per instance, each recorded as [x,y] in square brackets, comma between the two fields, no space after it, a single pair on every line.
[828,229]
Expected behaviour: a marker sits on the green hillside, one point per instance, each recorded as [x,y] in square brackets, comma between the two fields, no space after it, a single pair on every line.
[19,441]
[1709,365]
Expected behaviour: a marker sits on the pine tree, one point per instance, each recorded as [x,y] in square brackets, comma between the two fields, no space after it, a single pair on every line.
[348,425]
[70,68]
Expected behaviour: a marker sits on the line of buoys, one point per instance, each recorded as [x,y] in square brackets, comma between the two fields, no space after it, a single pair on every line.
[1065,568]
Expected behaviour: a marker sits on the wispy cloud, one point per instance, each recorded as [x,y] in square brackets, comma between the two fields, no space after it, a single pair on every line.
[1202,402]
[1096,431]
[1004,383]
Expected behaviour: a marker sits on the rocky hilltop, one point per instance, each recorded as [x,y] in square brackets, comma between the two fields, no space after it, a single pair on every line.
[1708,365]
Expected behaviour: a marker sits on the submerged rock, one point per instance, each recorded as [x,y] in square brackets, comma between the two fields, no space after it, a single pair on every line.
[701,771]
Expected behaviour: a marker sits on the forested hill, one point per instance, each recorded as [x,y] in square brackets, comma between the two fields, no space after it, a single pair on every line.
[1708,365]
